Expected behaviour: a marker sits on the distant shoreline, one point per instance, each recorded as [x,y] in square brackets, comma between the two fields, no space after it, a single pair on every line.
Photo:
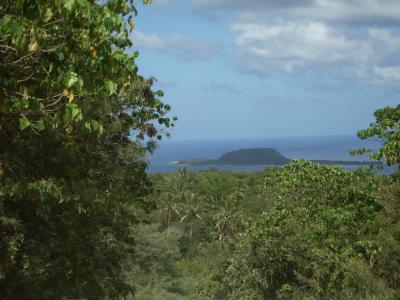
[260,156]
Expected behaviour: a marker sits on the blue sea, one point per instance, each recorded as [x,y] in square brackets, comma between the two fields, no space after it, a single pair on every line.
[322,147]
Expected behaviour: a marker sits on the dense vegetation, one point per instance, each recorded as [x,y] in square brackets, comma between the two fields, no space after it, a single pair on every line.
[303,231]
[81,219]
[71,176]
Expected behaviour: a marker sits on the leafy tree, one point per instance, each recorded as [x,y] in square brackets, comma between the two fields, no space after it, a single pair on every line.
[331,234]
[386,129]
[71,176]
[315,242]
[387,234]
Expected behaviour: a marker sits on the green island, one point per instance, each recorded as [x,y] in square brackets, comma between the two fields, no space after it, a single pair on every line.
[261,156]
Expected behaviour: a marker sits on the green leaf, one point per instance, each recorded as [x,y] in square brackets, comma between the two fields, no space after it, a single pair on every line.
[24,123]
[70,79]
[159,93]
[110,87]
[48,15]
[40,125]
[72,114]
[75,111]
[109,23]
[94,125]
[69,4]
[60,56]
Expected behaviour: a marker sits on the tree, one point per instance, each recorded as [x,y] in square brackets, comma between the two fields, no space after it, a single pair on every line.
[73,115]
[169,206]
[386,129]
[192,209]
[315,243]
[226,214]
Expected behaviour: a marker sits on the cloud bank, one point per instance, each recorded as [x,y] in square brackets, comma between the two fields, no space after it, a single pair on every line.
[356,38]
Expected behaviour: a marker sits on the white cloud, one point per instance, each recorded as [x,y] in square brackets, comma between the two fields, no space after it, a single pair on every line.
[355,38]
[390,73]
[293,46]
[296,45]
[148,41]
[179,45]
[306,42]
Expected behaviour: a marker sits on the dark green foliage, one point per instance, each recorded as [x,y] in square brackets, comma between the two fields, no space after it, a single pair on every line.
[71,178]
[253,156]
[387,234]
[305,231]
[321,239]
[256,156]
[197,220]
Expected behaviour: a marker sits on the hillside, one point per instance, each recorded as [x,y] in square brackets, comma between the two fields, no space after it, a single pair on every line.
[253,156]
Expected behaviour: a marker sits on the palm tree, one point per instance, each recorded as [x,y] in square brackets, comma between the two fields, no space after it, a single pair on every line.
[191,210]
[169,207]
[224,217]
[176,200]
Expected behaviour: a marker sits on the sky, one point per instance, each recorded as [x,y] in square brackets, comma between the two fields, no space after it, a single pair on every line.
[271,68]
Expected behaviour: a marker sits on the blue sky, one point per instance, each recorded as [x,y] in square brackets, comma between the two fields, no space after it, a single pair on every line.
[267,68]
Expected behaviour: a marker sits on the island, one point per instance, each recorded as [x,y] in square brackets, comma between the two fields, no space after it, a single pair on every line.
[260,156]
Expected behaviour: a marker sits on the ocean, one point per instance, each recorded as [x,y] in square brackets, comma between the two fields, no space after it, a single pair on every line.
[322,147]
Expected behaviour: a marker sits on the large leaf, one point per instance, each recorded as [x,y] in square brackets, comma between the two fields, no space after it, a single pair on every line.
[70,79]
